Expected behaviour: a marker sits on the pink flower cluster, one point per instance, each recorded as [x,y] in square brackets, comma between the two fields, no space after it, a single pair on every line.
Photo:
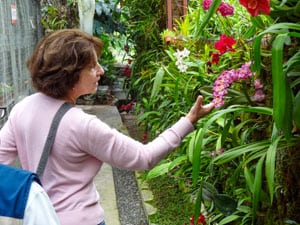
[259,95]
[225,80]
[224,8]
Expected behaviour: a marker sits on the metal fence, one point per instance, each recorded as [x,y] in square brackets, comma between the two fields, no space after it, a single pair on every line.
[20,30]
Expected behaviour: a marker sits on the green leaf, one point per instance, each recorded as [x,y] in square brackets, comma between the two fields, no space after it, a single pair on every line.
[278,28]
[157,82]
[186,92]
[279,80]
[282,97]
[212,10]
[191,146]
[208,191]
[257,184]
[227,126]
[229,219]
[148,114]
[270,166]
[257,53]
[219,143]
[197,155]
[287,128]
[293,62]
[177,161]
[249,178]
[250,33]
[297,9]
[237,129]
[198,203]
[158,170]
[238,151]
[257,21]
[296,110]
[225,204]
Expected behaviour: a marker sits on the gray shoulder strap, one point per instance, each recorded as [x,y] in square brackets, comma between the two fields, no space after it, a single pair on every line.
[51,136]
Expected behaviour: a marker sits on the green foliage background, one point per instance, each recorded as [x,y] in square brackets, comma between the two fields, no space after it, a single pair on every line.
[255,136]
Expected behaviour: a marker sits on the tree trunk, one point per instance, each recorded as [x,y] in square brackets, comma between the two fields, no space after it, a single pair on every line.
[286,206]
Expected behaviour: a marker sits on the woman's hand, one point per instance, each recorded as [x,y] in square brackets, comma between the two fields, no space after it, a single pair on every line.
[198,110]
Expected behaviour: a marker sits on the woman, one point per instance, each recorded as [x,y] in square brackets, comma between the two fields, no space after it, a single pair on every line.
[64,66]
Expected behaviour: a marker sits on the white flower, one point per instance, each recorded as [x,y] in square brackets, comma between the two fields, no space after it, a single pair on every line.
[185,52]
[180,55]
[179,62]
[182,68]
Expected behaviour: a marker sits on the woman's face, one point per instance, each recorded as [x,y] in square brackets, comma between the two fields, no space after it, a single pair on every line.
[89,77]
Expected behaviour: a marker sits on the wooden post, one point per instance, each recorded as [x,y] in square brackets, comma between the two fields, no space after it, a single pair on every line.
[169,15]
[185,5]
[175,10]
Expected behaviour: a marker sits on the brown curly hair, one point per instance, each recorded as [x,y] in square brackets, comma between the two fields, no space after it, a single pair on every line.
[58,59]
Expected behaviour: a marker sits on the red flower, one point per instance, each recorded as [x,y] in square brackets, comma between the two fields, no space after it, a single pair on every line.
[225,9]
[126,48]
[206,4]
[201,220]
[144,136]
[126,107]
[256,7]
[127,71]
[215,58]
[225,44]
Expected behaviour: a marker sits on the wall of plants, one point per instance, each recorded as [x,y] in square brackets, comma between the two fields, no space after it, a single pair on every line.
[240,165]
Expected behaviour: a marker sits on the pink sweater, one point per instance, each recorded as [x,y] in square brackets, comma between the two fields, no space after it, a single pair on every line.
[82,144]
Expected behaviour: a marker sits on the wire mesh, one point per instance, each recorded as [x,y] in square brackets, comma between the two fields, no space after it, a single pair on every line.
[20,29]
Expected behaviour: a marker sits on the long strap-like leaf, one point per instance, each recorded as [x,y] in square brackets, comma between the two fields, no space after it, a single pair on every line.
[282,99]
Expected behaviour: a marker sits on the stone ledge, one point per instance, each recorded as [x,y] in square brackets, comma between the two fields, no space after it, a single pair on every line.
[146,196]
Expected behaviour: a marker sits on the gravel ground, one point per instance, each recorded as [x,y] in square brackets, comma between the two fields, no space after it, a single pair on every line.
[129,201]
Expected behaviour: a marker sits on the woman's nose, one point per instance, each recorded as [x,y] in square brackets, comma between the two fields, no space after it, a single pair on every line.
[100,70]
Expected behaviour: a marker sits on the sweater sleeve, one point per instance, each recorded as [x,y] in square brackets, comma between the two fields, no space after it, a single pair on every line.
[121,151]
[8,150]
